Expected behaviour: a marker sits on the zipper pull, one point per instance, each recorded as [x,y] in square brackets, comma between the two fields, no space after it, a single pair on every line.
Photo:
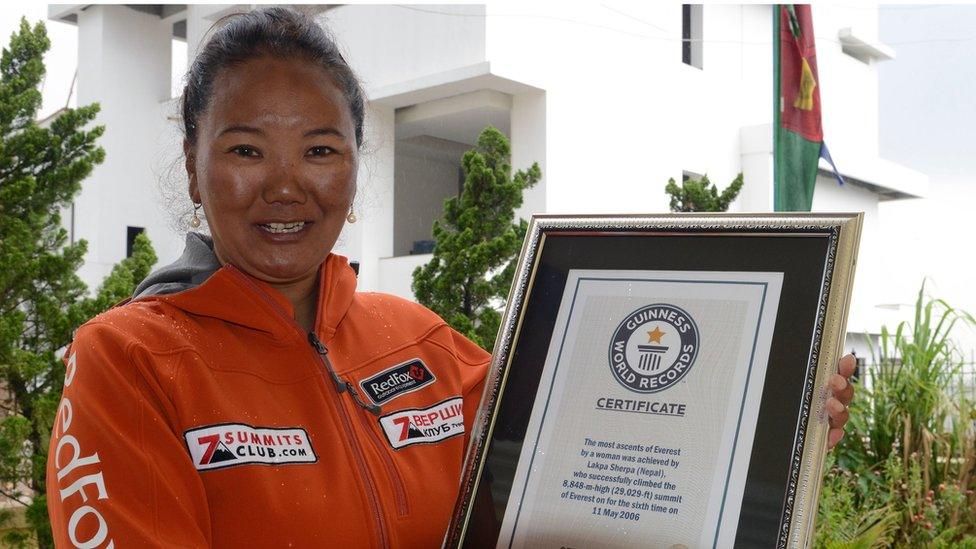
[314,341]
[341,384]
[323,351]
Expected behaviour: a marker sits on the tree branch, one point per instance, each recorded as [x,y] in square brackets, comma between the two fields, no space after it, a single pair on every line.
[14,498]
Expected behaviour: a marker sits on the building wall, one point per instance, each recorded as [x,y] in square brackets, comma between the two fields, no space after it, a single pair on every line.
[604,104]
[623,113]
[393,44]
[849,91]
[869,288]
[124,66]
[422,184]
[371,237]
[529,130]
[414,43]
[848,87]
[927,120]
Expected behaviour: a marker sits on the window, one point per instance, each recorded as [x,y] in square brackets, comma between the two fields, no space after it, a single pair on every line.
[130,238]
[691,35]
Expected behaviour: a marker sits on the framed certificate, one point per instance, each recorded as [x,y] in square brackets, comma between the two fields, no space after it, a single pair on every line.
[659,382]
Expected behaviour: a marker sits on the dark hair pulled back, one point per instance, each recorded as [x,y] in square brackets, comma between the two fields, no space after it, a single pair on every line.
[276,31]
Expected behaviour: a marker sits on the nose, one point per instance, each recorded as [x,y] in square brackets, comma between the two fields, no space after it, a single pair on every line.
[283,184]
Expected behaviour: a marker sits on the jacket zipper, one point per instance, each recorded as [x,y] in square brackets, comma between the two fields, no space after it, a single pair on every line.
[344,416]
[394,475]
[398,487]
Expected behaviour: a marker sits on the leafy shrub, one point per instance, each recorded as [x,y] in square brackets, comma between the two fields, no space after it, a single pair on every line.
[701,195]
[905,474]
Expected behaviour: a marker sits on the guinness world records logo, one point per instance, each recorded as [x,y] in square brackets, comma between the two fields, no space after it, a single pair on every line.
[653,348]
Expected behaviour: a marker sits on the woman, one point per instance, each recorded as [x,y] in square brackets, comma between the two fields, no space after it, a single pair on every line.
[247,395]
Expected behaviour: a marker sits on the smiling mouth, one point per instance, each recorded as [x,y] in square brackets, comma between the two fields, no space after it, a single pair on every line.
[283,228]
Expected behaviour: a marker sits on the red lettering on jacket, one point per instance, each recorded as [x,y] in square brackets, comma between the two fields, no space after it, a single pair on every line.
[211,442]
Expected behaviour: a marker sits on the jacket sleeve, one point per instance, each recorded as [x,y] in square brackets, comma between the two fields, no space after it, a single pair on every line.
[118,474]
[473,364]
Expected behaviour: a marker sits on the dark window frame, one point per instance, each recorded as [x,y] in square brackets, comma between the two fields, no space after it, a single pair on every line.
[130,238]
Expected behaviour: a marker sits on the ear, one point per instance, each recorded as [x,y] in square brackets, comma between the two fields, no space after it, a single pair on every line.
[191,171]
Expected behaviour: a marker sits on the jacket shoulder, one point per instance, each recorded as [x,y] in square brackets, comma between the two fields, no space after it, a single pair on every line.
[389,322]
[126,346]
[155,325]
[410,316]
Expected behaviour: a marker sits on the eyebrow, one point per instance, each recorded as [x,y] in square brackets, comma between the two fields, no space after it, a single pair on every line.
[325,131]
[251,129]
[241,129]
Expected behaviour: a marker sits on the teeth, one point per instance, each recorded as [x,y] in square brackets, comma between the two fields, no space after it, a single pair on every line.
[292,227]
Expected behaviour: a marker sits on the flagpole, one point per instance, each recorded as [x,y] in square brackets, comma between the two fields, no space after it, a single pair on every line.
[776,100]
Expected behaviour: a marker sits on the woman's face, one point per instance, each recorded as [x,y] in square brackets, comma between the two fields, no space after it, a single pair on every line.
[274,165]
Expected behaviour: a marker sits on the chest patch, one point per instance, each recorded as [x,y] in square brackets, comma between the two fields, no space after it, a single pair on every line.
[424,426]
[231,444]
[398,380]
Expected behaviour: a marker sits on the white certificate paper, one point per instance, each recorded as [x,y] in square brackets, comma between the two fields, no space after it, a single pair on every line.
[642,427]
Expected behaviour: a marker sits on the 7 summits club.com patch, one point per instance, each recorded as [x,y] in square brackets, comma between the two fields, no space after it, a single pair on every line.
[231,444]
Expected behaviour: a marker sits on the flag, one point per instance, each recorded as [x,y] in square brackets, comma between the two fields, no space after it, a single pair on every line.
[797,127]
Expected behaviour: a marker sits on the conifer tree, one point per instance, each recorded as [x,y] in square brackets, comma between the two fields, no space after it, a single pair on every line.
[42,300]
[700,195]
[477,242]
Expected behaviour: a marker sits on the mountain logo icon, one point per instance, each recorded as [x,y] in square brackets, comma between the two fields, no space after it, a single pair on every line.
[413,432]
[221,454]
[215,451]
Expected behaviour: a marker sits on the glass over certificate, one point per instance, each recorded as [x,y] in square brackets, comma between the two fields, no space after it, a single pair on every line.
[659,381]
[643,423]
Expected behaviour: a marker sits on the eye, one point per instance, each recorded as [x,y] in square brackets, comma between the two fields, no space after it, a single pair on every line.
[245,150]
[320,151]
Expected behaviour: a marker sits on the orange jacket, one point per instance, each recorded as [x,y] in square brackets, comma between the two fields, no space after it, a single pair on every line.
[207,417]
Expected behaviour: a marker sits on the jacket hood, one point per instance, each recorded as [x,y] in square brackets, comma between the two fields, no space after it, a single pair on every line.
[198,284]
[195,266]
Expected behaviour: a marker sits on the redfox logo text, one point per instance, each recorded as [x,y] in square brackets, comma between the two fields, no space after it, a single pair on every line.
[230,444]
[424,426]
[91,483]
[401,379]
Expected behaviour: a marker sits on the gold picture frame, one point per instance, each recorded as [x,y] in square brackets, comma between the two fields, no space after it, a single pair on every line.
[802,242]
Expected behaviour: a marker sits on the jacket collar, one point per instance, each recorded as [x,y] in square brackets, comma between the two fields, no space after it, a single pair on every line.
[229,294]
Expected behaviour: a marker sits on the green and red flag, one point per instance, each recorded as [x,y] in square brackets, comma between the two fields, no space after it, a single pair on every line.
[798,129]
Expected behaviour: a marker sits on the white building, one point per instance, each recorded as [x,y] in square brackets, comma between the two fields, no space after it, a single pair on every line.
[610,101]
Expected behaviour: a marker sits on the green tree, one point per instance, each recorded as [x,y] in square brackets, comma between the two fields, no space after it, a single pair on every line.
[477,242]
[43,300]
[700,195]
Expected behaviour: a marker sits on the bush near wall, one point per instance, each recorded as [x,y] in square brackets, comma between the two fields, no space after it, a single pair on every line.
[905,473]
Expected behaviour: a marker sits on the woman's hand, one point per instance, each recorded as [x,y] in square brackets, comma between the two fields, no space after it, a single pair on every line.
[843,393]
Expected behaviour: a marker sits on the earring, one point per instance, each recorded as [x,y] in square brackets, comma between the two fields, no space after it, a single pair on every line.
[195,221]
[351,216]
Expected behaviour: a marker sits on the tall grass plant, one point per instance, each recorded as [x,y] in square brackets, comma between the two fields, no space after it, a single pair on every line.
[905,473]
